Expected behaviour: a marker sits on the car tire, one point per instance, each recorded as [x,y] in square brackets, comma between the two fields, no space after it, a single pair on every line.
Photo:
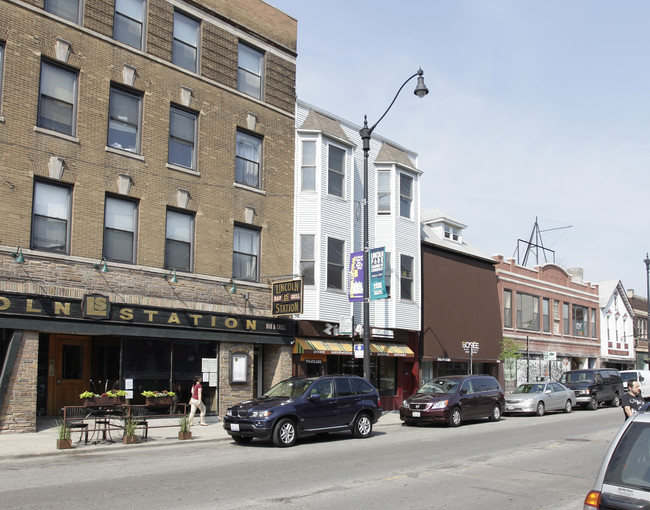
[616,401]
[242,439]
[593,404]
[455,417]
[284,433]
[540,409]
[568,406]
[362,427]
[495,415]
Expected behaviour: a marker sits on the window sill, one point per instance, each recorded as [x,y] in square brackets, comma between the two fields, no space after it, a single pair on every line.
[122,152]
[183,169]
[55,133]
[249,188]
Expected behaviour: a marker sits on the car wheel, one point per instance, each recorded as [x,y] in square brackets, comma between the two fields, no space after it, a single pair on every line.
[495,415]
[540,409]
[568,407]
[593,404]
[362,426]
[242,439]
[455,417]
[284,433]
[616,401]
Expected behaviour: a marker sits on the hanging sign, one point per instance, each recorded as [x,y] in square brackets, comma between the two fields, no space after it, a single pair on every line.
[355,277]
[377,273]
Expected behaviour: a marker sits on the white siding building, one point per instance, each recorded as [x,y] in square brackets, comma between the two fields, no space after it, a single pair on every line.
[616,326]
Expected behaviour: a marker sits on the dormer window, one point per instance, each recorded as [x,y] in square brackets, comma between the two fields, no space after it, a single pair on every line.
[452,233]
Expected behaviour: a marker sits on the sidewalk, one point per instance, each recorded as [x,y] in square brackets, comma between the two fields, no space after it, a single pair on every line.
[43,442]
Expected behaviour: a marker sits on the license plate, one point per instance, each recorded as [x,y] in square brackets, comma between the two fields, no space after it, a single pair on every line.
[415,414]
[509,408]
[234,426]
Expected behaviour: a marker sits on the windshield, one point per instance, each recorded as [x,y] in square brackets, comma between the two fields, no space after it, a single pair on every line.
[439,386]
[291,388]
[629,463]
[574,377]
[529,388]
[628,376]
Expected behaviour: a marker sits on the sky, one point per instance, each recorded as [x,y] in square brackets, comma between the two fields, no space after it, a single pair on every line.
[537,109]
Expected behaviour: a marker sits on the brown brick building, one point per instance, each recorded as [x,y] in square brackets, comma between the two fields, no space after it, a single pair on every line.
[146,155]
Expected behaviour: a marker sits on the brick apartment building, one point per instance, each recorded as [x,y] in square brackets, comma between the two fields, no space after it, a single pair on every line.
[146,153]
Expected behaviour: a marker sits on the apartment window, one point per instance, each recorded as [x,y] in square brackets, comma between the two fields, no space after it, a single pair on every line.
[182,138]
[128,22]
[580,321]
[566,321]
[594,333]
[383,191]
[248,162]
[507,308]
[66,9]
[335,263]
[546,315]
[246,253]
[51,217]
[335,171]
[307,258]
[388,273]
[57,103]
[120,221]
[250,64]
[406,277]
[405,195]
[2,66]
[124,121]
[179,237]
[451,233]
[185,48]
[308,166]
[527,312]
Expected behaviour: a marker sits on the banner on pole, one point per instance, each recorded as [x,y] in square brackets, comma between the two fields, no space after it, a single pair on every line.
[355,277]
[377,273]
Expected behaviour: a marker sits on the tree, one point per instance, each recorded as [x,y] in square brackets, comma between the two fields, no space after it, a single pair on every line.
[509,354]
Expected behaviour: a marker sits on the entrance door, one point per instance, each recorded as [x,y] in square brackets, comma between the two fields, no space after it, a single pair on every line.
[68,371]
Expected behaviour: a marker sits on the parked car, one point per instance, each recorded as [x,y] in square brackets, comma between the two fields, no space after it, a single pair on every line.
[594,386]
[453,399]
[306,405]
[643,376]
[539,397]
[623,481]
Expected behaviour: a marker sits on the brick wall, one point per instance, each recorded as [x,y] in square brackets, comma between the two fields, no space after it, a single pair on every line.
[19,408]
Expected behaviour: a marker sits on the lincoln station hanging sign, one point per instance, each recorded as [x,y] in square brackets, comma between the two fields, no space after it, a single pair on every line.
[287,297]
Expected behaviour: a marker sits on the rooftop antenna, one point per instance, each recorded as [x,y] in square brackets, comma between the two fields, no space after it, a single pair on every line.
[535,244]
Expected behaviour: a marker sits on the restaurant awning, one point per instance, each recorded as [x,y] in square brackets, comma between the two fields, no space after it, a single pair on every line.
[343,347]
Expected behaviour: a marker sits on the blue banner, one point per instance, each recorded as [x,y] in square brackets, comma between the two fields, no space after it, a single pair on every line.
[355,277]
[377,273]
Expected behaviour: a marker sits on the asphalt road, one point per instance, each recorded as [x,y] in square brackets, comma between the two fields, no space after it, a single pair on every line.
[520,462]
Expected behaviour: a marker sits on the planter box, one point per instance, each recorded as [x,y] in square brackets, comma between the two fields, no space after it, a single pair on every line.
[129,439]
[104,401]
[160,401]
[185,435]
[63,444]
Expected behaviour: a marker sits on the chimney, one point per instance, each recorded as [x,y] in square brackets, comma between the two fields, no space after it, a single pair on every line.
[577,274]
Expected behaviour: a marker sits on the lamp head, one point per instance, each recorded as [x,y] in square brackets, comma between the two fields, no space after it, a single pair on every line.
[232,289]
[421,89]
[18,256]
[102,265]
[172,273]
[646,261]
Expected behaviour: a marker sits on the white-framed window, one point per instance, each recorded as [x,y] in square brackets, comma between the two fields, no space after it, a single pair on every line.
[57,104]
[335,263]
[179,240]
[594,332]
[250,71]
[406,277]
[51,210]
[308,166]
[185,47]
[66,9]
[527,311]
[566,319]
[246,253]
[248,161]
[2,67]
[580,321]
[120,224]
[507,308]
[405,195]
[546,315]
[383,191]
[388,273]
[335,170]
[124,120]
[307,258]
[451,232]
[128,22]
[182,137]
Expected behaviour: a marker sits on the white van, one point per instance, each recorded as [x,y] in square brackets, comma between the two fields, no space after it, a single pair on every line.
[643,376]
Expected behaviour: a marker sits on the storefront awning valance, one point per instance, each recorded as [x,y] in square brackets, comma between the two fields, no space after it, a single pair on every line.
[342,347]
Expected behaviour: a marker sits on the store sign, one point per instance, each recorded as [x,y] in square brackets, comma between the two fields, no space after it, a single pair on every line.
[287,297]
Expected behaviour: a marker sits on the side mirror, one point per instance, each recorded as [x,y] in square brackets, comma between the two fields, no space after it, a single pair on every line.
[641,378]
[463,392]
[314,396]
[548,391]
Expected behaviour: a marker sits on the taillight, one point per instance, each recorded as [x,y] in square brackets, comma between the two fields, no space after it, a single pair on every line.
[592,500]
[379,402]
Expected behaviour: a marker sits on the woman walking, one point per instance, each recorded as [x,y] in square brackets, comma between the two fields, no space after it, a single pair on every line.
[196,401]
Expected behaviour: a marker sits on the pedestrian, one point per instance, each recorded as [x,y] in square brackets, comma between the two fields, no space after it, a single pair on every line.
[196,400]
[632,400]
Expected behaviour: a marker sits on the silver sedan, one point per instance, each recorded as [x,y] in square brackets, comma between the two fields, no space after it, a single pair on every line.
[539,397]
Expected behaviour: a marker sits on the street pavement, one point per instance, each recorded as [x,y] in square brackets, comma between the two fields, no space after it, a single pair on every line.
[43,441]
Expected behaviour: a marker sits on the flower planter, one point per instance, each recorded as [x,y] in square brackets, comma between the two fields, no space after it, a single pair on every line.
[129,439]
[185,435]
[63,444]
[159,401]
[104,401]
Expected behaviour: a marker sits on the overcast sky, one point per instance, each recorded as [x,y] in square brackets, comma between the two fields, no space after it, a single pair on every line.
[535,109]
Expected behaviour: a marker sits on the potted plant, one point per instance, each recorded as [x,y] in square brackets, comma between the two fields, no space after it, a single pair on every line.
[64,441]
[130,426]
[159,398]
[185,425]
[107,399]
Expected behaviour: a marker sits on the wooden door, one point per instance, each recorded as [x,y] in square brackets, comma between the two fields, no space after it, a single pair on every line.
[69,371]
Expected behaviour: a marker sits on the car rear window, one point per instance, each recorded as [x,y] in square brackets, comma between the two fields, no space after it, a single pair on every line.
[629,466]
[361,386]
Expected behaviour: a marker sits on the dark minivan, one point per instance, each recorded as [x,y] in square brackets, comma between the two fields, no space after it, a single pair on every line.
[594,386]
[453,399]
[306,405]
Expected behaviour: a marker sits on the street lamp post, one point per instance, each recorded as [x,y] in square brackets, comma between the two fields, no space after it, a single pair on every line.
[647,293]
[420,91]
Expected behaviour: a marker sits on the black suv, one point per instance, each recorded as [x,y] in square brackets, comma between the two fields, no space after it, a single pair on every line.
[306,405]
[454,398]
[594,386]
